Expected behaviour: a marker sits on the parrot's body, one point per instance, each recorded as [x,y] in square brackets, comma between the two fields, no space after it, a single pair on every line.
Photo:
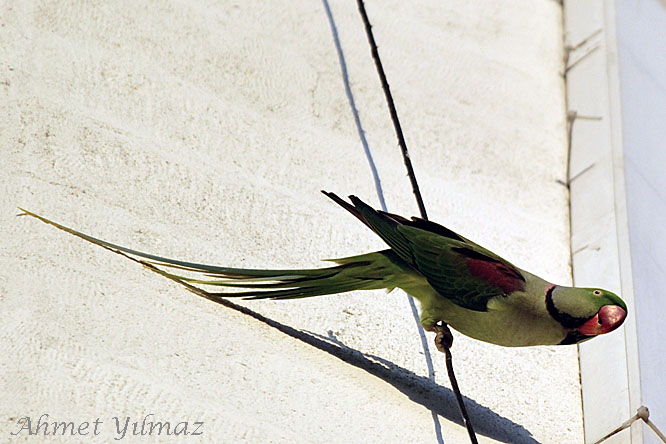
[455,280]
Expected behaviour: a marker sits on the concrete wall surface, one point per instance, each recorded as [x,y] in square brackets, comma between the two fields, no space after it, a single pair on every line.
[204,130]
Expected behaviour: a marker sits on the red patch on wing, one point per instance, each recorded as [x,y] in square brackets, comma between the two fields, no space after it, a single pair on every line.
[496,274]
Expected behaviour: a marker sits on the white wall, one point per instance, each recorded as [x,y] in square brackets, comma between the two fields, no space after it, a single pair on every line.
[204,131]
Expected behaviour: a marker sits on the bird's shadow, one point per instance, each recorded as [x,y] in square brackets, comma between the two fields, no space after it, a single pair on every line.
[420,389]
[439,400]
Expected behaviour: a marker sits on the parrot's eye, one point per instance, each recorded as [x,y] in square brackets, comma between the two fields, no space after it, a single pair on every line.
[597,292]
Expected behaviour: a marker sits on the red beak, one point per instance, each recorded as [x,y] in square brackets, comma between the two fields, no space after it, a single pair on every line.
[606,320]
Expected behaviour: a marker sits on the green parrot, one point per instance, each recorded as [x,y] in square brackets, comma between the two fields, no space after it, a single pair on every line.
[456,282]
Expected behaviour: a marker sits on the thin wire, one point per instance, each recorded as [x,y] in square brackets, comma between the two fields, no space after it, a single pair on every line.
[392,110]
[419,199]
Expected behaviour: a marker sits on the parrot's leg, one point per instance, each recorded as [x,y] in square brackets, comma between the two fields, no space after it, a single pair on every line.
[443,336]
[431,317]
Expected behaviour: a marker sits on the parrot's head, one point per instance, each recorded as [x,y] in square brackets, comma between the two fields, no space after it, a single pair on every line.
[585,312]
[610,314]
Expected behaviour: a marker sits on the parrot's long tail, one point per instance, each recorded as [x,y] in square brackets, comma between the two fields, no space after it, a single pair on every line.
[370,271]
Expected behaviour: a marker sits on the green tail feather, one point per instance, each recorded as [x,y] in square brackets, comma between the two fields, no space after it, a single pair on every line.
[365,272]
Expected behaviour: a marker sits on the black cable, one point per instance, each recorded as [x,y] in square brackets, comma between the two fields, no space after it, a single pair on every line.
[392,110]
[419,199]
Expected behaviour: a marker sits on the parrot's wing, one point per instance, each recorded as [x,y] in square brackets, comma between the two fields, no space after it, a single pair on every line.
[458,269]
[461,272]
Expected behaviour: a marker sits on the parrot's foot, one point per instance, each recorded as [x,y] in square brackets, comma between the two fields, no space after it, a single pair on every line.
[443,336]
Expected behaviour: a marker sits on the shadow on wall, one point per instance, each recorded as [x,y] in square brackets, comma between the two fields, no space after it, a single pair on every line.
[420,389]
